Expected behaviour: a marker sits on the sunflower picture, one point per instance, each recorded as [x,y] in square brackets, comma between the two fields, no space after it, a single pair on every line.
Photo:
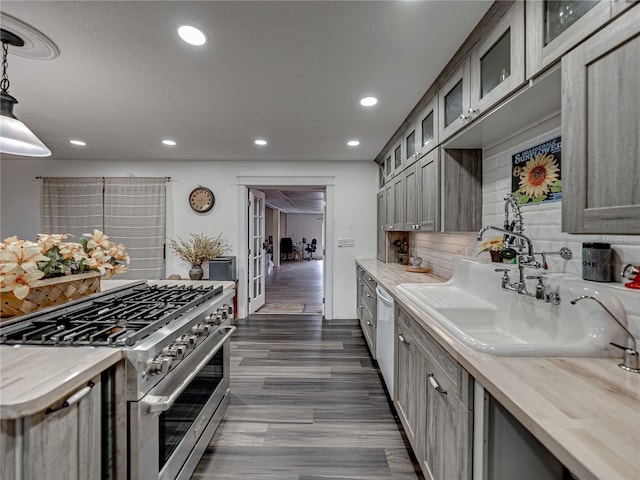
[536,173]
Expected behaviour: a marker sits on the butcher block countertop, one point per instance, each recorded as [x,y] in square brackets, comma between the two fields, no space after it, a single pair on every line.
[32,378]
[586,411]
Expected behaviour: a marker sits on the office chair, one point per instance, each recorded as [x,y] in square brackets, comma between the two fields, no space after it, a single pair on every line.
[286,247]
[311,248]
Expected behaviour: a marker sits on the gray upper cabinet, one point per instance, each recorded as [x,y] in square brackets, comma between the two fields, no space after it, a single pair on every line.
[389,215]
[411,195]
[381,176]
[388,166]
[427,128]
[410,150]
[556,26]
[382,221]
[454,100]
[428,175]
[600,130]
[461,207]
[398,202]
[497,62]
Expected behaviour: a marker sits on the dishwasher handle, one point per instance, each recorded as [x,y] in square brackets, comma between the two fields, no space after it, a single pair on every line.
[384,296]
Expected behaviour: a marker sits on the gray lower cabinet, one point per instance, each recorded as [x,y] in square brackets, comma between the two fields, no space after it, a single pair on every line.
[600,128]
[66,443]
[367,307]
[434,402]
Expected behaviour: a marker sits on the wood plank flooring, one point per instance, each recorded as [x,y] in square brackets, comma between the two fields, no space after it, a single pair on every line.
[292,284]
[307,403]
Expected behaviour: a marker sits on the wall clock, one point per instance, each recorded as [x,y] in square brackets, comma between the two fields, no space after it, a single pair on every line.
[201,199]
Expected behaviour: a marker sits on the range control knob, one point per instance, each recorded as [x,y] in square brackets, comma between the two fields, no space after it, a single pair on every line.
[201,329]
[214,319]
[159,365]
[223,313]
[188,341]
[175,350]
[229,309]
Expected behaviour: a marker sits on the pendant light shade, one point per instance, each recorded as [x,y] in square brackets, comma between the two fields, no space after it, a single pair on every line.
[15,136]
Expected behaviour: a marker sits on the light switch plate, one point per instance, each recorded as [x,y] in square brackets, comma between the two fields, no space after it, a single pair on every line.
[346,242]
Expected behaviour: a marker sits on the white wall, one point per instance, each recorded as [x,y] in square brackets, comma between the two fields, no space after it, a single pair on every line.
[355,215]
[305,225]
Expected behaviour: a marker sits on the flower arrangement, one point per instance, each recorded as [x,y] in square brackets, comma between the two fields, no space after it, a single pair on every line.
[23,262]
[494,244]
[199,249]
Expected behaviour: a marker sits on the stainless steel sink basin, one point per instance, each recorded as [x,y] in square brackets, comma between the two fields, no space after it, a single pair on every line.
[474,308]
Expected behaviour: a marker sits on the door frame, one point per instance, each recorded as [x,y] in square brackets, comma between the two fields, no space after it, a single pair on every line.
[275,182]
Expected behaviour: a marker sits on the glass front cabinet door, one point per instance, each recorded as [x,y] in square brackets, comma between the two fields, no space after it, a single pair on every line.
[454,100]
[398,157]
[497,62]
[556,26]
[410,145]
[427,128]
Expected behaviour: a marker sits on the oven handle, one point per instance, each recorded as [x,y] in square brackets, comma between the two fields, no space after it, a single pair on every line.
[162,403]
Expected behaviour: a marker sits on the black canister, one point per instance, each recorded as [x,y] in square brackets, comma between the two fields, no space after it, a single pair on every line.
[596,261]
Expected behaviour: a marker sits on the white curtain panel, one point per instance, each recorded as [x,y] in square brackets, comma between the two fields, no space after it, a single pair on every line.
[134,215]
[129,210]
[72,205]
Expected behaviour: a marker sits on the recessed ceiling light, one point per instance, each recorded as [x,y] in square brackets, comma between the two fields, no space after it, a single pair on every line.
[368,101]
[79,143]
[260,142]
[170,143]
[353,143]
[192,35]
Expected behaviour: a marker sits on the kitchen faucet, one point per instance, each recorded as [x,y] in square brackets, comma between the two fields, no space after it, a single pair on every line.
[631,362]
[513,230]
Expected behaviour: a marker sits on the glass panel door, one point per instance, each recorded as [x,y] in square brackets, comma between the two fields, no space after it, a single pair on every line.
[453,104]
[559,15]
[495,65]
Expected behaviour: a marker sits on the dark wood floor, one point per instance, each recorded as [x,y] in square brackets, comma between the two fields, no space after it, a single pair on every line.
[307,403]
[294,287]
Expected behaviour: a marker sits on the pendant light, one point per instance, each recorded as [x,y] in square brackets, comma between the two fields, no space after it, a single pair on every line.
[15,137]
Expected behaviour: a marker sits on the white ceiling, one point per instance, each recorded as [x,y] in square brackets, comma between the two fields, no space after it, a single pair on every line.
[292,72]
[296,200]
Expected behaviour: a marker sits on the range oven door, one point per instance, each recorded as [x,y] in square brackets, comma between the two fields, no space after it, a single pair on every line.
[171,426]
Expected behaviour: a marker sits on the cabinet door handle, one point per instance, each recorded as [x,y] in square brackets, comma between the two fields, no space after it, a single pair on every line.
[369,323]
[434,383]
[361,284]
[369,295]
[75,398]
[402,339]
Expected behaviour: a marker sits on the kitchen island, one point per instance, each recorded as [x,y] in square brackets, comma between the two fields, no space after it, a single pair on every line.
[585,411]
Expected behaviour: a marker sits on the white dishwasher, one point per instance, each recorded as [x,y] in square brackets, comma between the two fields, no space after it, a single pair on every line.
[385,341]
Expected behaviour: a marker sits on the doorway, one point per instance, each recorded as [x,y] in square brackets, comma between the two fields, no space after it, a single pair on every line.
[297,272]
[294,229]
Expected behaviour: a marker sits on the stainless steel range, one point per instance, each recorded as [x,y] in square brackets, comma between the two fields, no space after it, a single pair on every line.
[176,343]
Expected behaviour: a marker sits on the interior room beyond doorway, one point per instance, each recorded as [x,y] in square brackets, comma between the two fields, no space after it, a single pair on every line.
[294,237]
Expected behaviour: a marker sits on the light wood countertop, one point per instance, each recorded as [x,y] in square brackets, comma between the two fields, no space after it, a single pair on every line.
[32,378]
[586,411]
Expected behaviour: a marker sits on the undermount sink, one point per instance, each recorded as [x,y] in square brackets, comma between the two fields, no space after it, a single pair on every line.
[474,308]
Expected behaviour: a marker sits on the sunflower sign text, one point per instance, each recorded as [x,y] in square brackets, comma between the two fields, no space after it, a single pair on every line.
[536,173]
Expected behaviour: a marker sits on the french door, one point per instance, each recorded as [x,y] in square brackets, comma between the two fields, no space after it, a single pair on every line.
[256,252]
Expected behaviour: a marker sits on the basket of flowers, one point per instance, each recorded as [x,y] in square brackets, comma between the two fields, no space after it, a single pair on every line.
[494,246]
[52,270]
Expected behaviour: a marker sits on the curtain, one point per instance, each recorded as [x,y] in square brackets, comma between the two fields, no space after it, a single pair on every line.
[72,205]
[130,211]
[134,215]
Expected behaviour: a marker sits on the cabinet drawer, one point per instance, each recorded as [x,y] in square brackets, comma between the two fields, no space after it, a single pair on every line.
[368,298]
[368,326]
[447,372]
[368,279]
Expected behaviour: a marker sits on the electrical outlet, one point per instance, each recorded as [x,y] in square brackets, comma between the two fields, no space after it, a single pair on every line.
[346,242]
